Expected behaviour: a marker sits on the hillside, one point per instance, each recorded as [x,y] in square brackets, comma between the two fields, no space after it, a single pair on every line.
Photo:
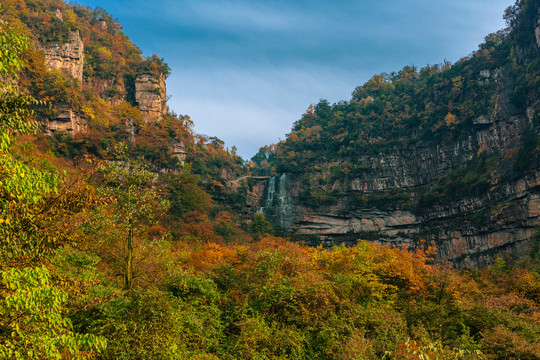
[100,92]
[125,235]
[446,153]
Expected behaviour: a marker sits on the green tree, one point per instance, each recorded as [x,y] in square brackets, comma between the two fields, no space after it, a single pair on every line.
[260,226]
[124,226]
[21,185]
[32,324]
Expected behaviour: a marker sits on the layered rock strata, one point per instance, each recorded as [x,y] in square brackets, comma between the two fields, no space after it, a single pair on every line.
[68,56]
[66,121]
[388,203]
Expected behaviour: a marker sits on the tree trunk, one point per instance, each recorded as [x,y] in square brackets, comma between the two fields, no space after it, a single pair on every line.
[128,275]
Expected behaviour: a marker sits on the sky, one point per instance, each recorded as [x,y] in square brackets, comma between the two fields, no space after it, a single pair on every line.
[246,70]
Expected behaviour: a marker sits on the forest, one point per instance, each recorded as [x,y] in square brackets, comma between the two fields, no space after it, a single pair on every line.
[114,248]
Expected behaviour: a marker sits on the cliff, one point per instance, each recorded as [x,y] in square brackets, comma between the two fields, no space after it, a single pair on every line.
[387,207]
[66,121]
[140,81]
[112,90]
[68,56]
[448,155]
[151,96]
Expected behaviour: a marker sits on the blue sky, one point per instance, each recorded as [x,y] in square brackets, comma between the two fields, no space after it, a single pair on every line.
[246,70]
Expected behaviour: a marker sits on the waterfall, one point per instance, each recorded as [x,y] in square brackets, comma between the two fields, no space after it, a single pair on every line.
[271,192]
[278,205]
[284,207]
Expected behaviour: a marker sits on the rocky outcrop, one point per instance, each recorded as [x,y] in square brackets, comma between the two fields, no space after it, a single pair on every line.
[469,231]
[67,121]
[111,90]
[179,151]
[150,90]
[130,128]
[253,189]
[68,56]
[151,96]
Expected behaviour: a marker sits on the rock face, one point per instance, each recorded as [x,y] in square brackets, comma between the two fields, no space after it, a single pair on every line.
[389,203]
[179,151]
[151,96]
[150,90]
[68,57]
[254,189]
[66,121]
[111,90]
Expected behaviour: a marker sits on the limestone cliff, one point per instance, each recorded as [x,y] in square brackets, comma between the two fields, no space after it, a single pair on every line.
[112,90]
[68,56]
[467,231]
[253,188]
[144,89]
[391,203]
[148,90]
[179,151]
[66,121]
[151,96]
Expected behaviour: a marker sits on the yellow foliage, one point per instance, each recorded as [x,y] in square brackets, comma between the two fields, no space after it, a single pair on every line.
[89,112]
[451,121]
[211,255]
[70,16]
[293,137]
[105,53]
